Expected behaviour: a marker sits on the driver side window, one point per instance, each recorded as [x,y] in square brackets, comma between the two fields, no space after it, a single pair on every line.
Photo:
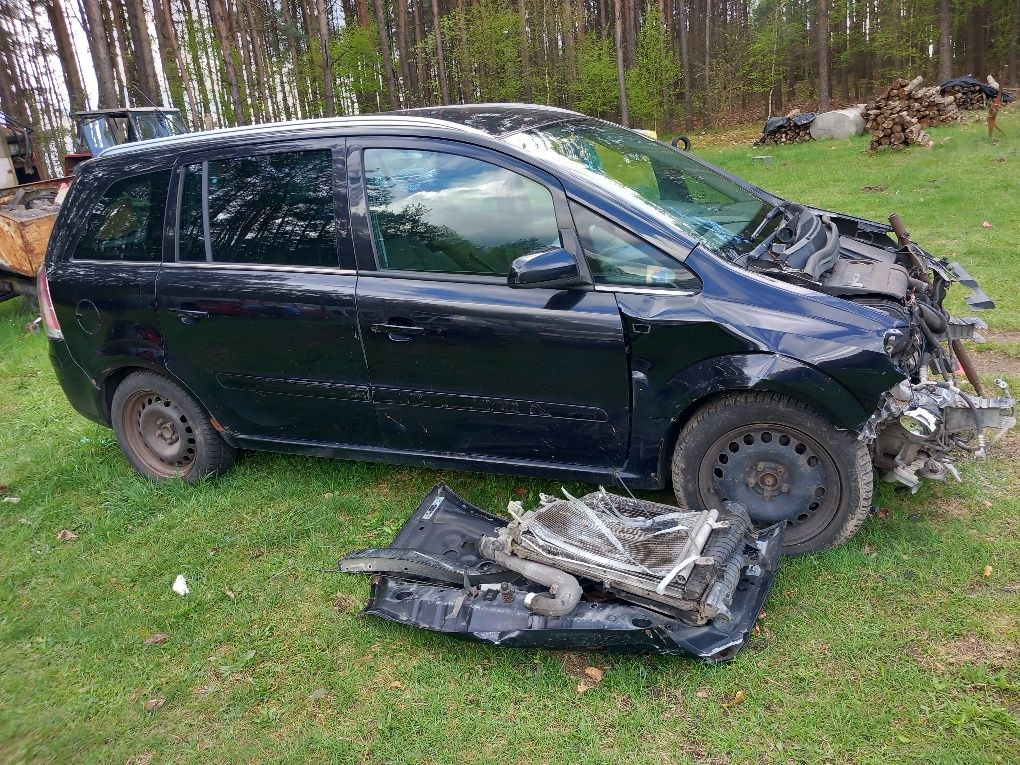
[445,213]
[618,258]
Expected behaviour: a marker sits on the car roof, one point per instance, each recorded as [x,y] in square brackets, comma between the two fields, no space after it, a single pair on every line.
[490,120]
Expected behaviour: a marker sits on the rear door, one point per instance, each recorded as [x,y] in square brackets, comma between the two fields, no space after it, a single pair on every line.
[257,307]
[460,363]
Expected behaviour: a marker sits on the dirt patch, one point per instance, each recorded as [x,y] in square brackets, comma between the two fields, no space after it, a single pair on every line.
[1006,336]
[973,650]
[993,363]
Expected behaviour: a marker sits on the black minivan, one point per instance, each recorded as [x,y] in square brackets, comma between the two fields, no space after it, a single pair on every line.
[505,288]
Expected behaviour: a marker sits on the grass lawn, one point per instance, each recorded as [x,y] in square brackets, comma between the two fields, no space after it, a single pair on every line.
[894,648]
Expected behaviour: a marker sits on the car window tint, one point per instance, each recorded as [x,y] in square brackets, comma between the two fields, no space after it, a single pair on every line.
[268,209]
[438,212]
[617,257]
[126,223]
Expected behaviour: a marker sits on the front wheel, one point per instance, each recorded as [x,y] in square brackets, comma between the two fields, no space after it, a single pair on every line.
[164,432]
[783,461]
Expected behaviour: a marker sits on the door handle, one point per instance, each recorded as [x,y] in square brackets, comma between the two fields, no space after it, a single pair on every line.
[398,333]
[189,316]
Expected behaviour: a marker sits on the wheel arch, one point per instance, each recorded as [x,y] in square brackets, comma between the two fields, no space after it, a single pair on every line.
[711,379]
[113,377]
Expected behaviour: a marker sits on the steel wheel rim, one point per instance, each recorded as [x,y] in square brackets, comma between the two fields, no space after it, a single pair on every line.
[742,466]
[159,433]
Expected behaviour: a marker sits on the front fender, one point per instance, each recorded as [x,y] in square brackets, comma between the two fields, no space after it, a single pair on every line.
[660,413]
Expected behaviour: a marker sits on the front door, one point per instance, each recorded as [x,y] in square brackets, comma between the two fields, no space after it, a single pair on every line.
[460,363]
[258,309]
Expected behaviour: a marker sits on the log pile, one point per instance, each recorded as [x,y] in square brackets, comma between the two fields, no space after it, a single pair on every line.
[897,116]
[967,96]
[795,127]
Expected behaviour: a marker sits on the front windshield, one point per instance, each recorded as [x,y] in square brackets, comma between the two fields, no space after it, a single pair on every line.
[158,124]
[704,204]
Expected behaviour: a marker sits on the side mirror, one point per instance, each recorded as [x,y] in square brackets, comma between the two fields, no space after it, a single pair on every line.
[549,269]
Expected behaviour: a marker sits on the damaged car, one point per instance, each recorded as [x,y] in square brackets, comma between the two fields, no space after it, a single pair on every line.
[514,289]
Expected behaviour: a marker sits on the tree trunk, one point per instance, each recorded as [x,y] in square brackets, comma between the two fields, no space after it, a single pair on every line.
[824,103]
[65,52]
[1014,49]
[424,87]
[621,78]
[525,50]
[400,10]
[221,28]
[141,45]
[102,58]
[685,67]
[327,65]
[384,46]
[444,87]
[708,62]
[463,57]
[173,57]
[946,42]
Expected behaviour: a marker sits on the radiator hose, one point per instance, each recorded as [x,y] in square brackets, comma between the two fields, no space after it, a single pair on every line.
[564,591]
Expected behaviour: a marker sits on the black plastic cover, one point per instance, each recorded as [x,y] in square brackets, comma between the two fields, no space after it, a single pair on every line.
[446,527]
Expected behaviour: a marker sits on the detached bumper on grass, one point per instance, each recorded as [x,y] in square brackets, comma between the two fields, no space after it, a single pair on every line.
[596,572]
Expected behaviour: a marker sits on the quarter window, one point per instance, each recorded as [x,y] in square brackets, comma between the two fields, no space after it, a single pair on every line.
[127,222]
[617,257]
[438,212]
[268,209]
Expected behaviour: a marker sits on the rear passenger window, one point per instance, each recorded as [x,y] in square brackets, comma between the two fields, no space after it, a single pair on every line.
[268,209]
[127,222]
[438,212]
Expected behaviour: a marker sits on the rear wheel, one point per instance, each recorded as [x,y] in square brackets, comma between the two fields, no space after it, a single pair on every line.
[780,459]
[164,432]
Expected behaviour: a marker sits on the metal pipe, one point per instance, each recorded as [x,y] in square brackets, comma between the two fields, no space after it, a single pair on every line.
[564,591]
[968,365]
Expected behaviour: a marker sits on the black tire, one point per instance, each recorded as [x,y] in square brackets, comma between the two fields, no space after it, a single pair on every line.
[781,460]
[164,432]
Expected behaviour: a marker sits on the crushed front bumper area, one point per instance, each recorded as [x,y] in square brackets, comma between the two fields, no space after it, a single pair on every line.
[436,577]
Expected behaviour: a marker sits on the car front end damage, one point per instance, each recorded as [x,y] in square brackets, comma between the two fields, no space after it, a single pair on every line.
[928,421]
[596,572]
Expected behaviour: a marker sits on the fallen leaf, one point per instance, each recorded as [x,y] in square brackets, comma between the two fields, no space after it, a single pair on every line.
[702,693]
[582,687]
[986,224]
[987,504]
[153,704]
[158,639]
[5,489]
[12,500]
[594,673]
[883,512]
[328,495]
[229,593]
[66,535]
[180,585]
[317,695]
[520,491]
[762,615]
[395,684]
[736,701]
[987,571]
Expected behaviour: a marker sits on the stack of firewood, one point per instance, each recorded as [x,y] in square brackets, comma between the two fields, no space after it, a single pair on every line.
[898,116]
[967,96]
[790,132]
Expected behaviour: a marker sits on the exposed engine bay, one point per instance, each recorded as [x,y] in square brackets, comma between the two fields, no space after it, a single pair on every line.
[598,571]
[928,421]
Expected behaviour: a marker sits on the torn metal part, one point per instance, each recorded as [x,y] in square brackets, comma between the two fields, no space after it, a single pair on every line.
[922,429]
[440,575]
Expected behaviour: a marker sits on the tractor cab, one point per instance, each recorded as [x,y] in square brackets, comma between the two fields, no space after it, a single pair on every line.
[97,130]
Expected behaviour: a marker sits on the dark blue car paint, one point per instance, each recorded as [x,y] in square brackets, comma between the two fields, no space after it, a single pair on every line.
[576,383]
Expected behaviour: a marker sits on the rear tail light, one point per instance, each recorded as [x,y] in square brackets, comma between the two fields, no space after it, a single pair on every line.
[49,316]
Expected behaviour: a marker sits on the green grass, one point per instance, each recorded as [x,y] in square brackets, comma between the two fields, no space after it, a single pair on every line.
[894,648]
